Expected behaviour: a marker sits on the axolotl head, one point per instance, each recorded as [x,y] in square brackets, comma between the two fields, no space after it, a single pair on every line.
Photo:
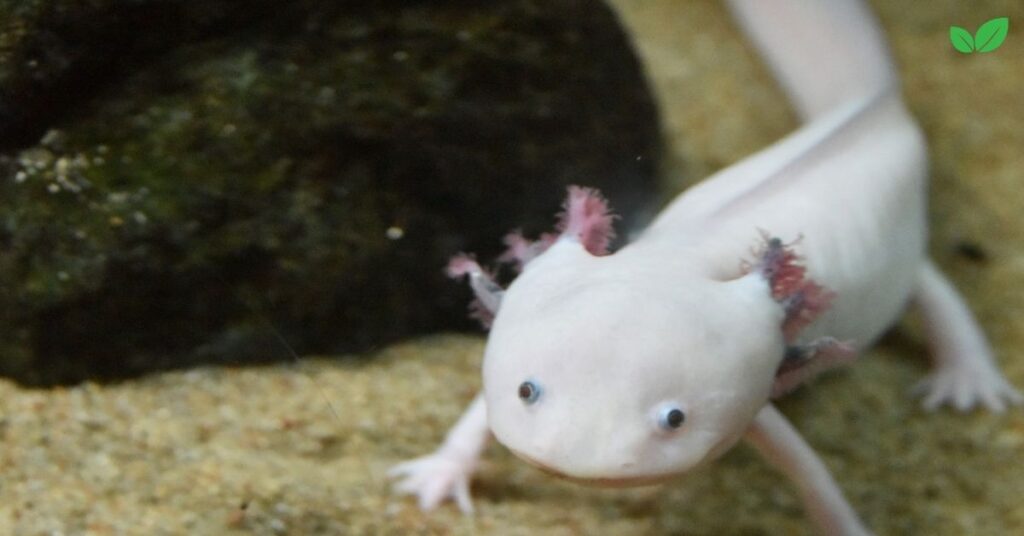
[608,371]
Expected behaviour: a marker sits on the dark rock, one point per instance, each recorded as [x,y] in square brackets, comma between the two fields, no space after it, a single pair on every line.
[312,170]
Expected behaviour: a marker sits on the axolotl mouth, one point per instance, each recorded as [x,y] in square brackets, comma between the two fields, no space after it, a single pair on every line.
[610,482]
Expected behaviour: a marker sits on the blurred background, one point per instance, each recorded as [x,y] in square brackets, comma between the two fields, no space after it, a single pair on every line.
[171,172]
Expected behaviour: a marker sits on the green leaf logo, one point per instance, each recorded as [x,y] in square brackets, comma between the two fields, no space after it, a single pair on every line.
[962,40]
[989,36]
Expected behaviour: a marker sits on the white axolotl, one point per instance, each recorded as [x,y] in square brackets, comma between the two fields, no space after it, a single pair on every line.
[632,368]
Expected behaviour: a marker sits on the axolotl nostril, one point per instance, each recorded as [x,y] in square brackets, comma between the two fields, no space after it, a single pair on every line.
[634,367]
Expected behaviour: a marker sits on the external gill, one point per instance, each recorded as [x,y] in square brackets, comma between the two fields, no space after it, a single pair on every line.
[804,301]
[521,250]
[805,361]
[488,292]
[585,218]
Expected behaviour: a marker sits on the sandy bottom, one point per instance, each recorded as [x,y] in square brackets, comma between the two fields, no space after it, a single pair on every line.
[260,451]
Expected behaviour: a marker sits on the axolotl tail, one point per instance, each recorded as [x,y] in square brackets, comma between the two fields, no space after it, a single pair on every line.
[823,53]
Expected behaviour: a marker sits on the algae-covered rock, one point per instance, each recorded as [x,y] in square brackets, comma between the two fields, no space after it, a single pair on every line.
[314,168]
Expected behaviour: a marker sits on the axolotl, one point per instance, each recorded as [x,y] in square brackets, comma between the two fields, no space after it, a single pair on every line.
[635,367]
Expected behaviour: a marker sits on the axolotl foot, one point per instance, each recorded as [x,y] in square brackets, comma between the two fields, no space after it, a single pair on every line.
[434,478]
[965,373]
[446,472]
[966,387]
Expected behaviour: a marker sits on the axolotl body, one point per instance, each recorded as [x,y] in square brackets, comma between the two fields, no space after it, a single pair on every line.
[635,367]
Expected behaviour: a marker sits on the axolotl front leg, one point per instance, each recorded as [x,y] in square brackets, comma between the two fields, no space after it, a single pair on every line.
[446,472]
[965,373]
[781,445]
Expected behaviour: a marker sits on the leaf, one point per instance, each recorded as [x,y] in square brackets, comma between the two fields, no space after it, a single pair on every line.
[961,39]
[992,34]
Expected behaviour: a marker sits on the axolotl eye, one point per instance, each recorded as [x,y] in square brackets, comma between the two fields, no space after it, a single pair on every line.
[529,392]
[670,418]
